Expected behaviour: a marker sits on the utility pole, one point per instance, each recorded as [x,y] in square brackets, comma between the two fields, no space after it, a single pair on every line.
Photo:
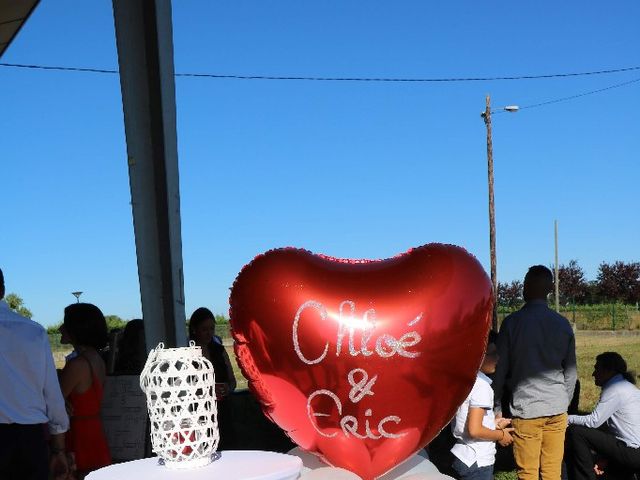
[486,115]
[557,282]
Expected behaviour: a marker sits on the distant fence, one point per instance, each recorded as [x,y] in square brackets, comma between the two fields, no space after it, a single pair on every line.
[614,316]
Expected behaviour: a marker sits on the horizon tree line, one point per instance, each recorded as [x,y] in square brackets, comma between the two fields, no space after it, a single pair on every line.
[617,282]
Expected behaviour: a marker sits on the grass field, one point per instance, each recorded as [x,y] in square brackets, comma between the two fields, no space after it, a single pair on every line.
[588,346]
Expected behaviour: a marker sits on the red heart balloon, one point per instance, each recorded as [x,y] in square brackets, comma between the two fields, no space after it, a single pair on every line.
[362,362]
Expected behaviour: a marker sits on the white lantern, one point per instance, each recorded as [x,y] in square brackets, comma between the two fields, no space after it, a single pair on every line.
[179,385]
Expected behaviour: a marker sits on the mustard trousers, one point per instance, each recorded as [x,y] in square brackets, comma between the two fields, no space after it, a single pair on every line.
[538,446]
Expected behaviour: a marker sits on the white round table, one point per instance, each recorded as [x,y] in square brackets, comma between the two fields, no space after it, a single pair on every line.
[232,465]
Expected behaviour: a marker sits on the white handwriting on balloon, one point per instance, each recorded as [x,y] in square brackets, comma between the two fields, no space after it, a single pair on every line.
[386,345]
[349,424]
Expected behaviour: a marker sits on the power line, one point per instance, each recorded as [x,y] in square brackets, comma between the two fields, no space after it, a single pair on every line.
[564,99]
[57,68]
[365,79]
[571,97]
[423,80]
[333,79]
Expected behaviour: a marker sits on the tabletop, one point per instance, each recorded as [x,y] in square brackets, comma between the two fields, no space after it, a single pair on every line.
[232,465]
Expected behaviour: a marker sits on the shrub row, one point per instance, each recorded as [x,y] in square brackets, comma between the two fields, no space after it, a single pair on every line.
[613,316]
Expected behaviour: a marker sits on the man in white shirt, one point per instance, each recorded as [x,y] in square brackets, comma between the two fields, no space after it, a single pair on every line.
[30,397]
[617,448]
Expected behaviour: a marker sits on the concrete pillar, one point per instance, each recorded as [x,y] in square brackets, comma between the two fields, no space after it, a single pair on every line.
[144,39]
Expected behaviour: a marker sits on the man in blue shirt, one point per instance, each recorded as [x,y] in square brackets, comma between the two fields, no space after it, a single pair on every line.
[536,346]
[617,446]
[30,400]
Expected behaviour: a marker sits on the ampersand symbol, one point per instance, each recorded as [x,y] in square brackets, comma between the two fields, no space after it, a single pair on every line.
[361,388]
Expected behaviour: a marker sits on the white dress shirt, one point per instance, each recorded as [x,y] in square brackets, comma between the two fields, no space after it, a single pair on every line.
[29,392]
[470,450]
[619,407]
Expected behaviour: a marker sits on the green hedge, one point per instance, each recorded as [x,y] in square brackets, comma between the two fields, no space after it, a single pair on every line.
[612,316]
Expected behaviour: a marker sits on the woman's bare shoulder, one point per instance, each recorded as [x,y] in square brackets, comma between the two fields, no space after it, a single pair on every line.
[76,365]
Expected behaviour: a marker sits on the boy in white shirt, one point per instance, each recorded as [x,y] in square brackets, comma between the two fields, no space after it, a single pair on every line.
[475,427]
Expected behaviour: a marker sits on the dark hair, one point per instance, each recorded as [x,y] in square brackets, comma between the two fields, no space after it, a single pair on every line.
[492,338]
[85,323]
[540,272]
[130,358]
[200,315]
[614,362]
[538,283]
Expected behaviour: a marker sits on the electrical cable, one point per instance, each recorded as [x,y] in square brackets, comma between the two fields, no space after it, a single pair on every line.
[333,79]
[564,99]
[365,79]
[571,97]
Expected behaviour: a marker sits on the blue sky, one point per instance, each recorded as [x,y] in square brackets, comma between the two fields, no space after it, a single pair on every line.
[361,170]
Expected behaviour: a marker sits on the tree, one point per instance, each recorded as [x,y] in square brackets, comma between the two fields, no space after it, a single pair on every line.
[17,305]
[619,281]
[114,322]
[573,287]
[54,329]
[510,294]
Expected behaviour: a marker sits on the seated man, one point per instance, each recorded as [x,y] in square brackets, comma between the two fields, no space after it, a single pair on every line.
[617,448]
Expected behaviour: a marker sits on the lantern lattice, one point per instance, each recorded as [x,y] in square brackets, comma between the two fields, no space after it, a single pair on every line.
[179,385]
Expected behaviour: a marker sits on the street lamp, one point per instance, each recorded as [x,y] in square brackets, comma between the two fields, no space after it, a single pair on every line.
[77,295]
[486,115]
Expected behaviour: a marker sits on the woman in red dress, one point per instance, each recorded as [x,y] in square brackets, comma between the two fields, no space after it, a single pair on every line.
[82,380]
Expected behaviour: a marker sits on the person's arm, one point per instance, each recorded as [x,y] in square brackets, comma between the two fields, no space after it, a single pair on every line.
[480,432]
[607,405]
[53,398]
[232,378]
[500,375]
[570,370]
[72,375]
[58,464]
